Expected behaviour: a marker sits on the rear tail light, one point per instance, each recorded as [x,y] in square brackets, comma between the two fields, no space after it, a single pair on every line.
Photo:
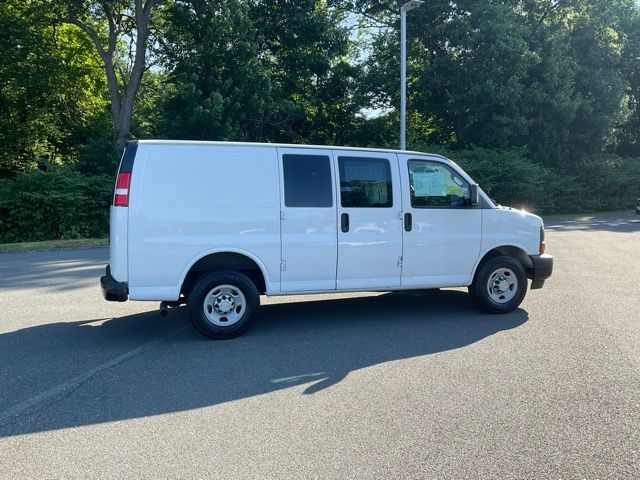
[543,245]
[121,197]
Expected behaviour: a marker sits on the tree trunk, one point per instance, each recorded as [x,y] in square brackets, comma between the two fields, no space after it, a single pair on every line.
[120,141]
[122,97]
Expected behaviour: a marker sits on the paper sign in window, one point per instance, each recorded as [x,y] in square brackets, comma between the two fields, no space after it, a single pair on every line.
[429,184]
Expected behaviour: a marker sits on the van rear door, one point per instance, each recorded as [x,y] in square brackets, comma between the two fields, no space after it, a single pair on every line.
[119,215]
[308,220]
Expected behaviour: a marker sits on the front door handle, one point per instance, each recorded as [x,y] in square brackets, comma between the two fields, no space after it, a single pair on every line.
[408,222]
[344,222]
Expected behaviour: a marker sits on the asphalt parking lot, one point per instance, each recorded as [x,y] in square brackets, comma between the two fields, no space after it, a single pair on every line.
[392,385]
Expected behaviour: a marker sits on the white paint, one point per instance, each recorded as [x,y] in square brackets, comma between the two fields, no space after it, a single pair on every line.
[192,199]
[505,226]
[309,238]
[368,253]
[189,201]
[443,245]
[118,229]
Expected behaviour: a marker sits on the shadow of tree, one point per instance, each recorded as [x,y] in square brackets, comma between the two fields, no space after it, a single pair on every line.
[624,224]
[292,344]
[59,270]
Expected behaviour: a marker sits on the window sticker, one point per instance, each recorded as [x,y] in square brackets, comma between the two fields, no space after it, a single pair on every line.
[429,184]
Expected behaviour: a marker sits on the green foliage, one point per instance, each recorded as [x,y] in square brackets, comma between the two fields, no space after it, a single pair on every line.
[539,99]
[50,86]
[60,203]
[216,88]
[627,141]
[96,155]
[304,46]
[510,178]
[543,75]
[272,70]
[603,182]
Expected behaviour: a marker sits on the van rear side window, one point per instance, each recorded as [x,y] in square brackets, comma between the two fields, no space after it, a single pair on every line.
[365,182]
[307,181]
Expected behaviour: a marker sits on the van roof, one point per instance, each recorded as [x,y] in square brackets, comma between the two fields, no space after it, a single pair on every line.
[281,145]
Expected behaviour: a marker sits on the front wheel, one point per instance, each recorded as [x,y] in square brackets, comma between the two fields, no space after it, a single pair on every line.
[500,285]
[221,305]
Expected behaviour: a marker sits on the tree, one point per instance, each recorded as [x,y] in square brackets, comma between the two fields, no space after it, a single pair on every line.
[466,63]
[628,129]
[121,31]
[216,88]
[305,48]
[50,87]
[269,70]
[544,75]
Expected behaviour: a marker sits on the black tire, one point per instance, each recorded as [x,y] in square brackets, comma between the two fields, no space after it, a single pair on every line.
[479,289]
[208,283]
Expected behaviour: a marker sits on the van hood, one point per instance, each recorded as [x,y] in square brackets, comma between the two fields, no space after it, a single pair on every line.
[521,213]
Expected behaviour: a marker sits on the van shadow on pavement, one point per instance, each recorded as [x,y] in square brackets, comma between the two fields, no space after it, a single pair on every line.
[316,344]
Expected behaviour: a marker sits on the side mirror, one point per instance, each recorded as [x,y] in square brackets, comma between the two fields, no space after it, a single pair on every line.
[475,194]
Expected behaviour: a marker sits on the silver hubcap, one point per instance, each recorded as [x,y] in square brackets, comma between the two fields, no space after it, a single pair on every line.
[224,305]
[502,285]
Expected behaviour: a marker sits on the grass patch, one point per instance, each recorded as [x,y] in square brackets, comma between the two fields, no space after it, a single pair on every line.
[53,245]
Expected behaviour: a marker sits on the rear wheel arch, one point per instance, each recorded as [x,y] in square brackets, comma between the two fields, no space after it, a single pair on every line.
[224,261]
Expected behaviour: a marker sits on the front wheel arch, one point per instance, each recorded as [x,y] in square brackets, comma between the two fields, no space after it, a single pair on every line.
[507,251]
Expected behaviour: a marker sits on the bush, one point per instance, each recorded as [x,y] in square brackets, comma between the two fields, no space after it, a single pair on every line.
[64,203]
[510,178]
[61,203]
[607,183]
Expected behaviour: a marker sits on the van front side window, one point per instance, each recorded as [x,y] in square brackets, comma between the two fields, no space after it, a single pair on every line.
[365,182]
[434,184]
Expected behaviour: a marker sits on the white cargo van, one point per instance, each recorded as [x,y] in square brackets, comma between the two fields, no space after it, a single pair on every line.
[215,225]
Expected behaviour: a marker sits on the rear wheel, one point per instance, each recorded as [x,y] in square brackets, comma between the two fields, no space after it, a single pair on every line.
[221,304]
[500,285]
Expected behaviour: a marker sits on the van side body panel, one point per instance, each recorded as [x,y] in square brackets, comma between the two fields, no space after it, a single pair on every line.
[442,248]
[510,227]
[507,227]
[188,201]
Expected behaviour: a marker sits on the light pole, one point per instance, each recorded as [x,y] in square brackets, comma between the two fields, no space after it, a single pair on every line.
[403,69]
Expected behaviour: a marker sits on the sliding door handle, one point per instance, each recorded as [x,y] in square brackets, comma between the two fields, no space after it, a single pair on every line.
[344,222]
[408,222]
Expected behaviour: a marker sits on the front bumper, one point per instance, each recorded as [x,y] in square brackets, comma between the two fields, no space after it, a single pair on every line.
[113,290]
[541,270]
